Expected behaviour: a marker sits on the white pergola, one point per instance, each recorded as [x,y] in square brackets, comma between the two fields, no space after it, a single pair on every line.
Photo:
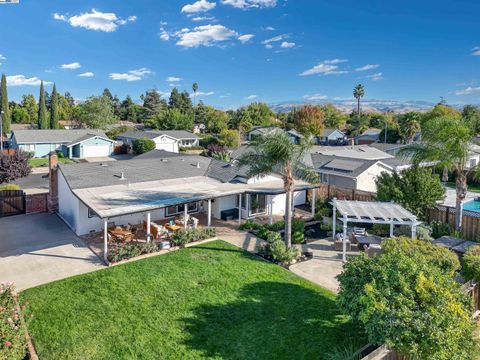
[387,213]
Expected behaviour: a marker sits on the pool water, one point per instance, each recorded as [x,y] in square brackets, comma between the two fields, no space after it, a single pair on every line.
[473,205]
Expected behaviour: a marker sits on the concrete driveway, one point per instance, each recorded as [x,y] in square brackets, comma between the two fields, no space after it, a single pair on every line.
[40,248]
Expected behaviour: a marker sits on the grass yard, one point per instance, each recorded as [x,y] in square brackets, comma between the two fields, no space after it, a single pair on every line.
[38,162]
[213,300]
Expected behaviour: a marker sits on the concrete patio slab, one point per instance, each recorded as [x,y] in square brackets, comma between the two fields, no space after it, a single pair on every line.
[40,248]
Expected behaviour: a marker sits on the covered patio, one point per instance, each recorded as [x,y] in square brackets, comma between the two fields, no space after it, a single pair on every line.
[358,212]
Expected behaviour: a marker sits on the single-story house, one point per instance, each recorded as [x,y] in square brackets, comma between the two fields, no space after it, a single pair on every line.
[392,149]
[259,131]
[369,136]
[168,140]
[79,143]
[91,195]
[354,152]
[332,137]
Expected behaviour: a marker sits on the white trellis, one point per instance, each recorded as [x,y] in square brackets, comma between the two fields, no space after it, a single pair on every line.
[387,213]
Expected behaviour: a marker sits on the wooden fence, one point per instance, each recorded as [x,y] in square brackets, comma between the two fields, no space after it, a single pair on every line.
[331,191]
[12,202]
[470,220]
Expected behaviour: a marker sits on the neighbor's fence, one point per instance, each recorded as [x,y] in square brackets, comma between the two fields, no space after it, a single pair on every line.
[12,202]
[470,220]
[331,191]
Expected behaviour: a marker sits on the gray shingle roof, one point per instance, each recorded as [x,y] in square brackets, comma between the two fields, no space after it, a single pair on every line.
[325,164]
[53,136]
[152,134]
[137,134]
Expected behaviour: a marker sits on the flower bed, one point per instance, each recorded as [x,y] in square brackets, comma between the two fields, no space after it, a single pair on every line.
[13,329]
[183,237]
[298,229]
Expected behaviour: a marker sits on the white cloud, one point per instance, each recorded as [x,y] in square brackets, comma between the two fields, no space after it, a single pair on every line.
[476,51]
[245,38]
[326,67]
[198,6]
[2,58]
[287,45]
[468,91]
[245,4]
[269,46]
[251,97]
[201,93]
[72,66]
[375,77]
[164,35]
[274,39]
[21,80]
[95,20]
[367,67]
[315,97]
[132,75]
[86,74]
[203,18]
[269,28]
[206,35]
[173,79]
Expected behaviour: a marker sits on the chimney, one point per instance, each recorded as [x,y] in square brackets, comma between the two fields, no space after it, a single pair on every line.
[52,198]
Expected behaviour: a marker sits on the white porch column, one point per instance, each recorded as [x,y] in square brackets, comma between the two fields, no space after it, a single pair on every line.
[239,209]
[391,229]
[334,222]
[247,205]
[209,221]
[344,250]
[105,241]
[414,232]
[314,198]
[149,235]
[270,205]
[185,214]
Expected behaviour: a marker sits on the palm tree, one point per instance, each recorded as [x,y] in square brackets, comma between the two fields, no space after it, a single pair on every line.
[447,141]
[358,93]
[195,89]
[409,126]
[275,153]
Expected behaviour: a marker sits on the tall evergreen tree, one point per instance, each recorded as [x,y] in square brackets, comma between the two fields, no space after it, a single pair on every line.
[54,111]
[7,118]
[42,109]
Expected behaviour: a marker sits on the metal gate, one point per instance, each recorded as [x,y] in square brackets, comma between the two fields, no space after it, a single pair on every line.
[12,202]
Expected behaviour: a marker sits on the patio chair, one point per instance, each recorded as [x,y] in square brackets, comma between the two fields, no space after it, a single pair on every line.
[194,221]
[373,250]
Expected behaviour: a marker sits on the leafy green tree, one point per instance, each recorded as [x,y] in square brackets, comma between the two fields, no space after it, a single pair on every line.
[417,189]
[446,140]
[215,120]
[96,113]
[393,134]
[471,115]
[407,298]
[30,105]
[70,99]
[54,111]
[358,93]
[334,118]
[357,124]
[408,126]
[229,137]
[174,119]
[275,153]
[43,122]
[20,115]
[128,110]
[438,111]
[195,89]
[471,263]
[180,101]
[143,145]
[65,108]
[7,116]
[153,104]
[309,120]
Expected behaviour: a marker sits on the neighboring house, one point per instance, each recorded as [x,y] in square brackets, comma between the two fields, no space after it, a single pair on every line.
[473,156]
[368,137]
[164,185]
[332,137]
[168,140]
[70,124]
[392,149]
[355,152]
[81,143]
[259,131]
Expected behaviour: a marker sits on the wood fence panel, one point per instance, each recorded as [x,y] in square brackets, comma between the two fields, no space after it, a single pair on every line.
[12,202]
[470,221]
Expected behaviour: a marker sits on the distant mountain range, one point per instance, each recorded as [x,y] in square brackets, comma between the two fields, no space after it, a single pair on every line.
[368,105]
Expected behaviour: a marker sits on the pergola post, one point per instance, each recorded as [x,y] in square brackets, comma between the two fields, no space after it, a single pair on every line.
[270,204]
[414,231]
[314,196]
[149,235]
[239,209]
[391,229]
[209,221]
[344,250]
[247,205]
[334,220]
[105,241]
[185,214]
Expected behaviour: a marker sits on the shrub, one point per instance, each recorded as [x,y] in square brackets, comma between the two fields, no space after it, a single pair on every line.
[9,187]
[381,229]
[440,229]
[273,236]
[184,237]
[323,208]
[208,140]
[13,167]
[471,263]
[113,133]
[130,250]
[13,328]
[298,231]
[423,232]
[60,154]
[143,145]
[283,255]
[249,225]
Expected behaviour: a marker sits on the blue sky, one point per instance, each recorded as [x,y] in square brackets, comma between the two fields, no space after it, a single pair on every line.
[244,50]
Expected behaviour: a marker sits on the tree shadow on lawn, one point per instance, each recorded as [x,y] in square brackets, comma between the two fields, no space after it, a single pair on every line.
[271,320]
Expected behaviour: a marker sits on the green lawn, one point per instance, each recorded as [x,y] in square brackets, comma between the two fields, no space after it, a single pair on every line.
[38,162]
[212,300]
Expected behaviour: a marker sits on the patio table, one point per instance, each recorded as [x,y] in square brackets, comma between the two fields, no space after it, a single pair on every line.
[173,227]
[368,240]
[121,234]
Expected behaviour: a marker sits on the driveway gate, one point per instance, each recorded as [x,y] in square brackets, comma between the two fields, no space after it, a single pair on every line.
[12,202]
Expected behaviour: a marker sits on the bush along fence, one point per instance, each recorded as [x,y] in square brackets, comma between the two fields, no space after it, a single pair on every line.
[446,215]
[123,251]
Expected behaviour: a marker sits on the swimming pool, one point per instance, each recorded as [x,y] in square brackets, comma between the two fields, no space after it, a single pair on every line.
[473,205]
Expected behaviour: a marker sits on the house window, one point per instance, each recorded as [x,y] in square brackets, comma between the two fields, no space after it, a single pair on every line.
[257,205]
[91,213]
[179,209]
[473,163]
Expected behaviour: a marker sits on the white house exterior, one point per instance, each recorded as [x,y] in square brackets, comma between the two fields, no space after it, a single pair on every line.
[168,140]
[91,194]
[331,137]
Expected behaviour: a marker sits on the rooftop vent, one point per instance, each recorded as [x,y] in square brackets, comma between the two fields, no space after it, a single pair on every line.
[104,165]
[197,165]
[122,176]
[164,160]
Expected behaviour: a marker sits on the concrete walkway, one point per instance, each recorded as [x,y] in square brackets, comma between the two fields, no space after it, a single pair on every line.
[37,249]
